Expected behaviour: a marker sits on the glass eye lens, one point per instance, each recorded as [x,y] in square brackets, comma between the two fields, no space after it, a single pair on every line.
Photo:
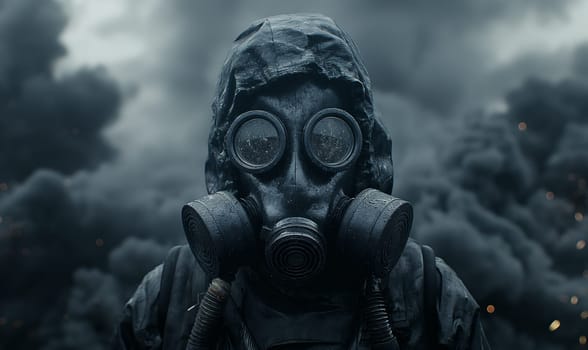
[331,140]
[257,142]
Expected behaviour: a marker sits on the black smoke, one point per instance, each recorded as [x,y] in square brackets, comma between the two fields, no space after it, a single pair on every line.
[49,127]
[47,122]
[505,207]
[84,217]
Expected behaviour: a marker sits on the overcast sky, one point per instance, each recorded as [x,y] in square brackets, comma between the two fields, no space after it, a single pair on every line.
[439,61]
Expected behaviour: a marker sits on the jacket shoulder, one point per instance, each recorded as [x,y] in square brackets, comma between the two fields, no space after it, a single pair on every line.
[160,302]
[457,311]
[182,284]
[138,327]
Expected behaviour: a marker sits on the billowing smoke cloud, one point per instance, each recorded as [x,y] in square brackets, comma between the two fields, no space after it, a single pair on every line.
[505,207]
[581,61]
[45,122]
[500,204]
[422,37]
[53,227]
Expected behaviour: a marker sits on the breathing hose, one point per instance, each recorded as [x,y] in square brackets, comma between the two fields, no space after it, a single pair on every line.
[209,315]
[377,321]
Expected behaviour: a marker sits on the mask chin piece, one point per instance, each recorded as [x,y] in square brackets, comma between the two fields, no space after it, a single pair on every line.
[295,250]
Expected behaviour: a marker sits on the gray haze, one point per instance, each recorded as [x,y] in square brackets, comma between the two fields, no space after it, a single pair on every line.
[104,117]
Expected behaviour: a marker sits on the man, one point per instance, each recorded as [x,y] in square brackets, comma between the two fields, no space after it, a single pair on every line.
[303,244]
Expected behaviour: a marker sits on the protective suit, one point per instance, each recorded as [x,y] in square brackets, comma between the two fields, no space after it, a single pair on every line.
[303,243]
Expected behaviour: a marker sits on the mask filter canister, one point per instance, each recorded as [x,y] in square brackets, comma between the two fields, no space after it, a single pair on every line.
[220,233]
[373,231]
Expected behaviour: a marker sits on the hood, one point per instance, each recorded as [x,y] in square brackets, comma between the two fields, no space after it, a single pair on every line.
[282,46]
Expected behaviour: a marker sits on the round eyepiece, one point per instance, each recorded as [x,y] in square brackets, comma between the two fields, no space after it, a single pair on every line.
[332,139]
[256,141]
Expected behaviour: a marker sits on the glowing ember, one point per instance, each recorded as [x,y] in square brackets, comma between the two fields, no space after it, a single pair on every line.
[554,325]
[581,244]
[574,300]
[522,126]
[549,195]
[582,340]
[99,242]
[579,216]
[490,309]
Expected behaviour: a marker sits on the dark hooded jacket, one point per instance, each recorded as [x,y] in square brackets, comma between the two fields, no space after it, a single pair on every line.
[161,312]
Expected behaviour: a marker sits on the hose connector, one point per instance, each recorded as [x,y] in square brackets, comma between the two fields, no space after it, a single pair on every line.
[377,321]
[209,316]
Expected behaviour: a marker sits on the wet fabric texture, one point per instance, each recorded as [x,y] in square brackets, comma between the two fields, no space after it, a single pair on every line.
[143,327]
[309,45]
[161,313]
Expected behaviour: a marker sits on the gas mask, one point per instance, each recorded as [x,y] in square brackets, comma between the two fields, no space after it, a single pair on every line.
[293,213]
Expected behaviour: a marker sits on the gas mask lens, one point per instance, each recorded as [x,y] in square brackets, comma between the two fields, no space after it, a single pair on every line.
[257,139]
[332,139]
